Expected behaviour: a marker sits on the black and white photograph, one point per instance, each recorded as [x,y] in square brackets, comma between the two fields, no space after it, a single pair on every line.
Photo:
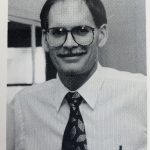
[76,75]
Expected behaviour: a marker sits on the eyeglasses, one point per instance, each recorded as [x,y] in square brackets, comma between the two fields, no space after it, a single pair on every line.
[82,35]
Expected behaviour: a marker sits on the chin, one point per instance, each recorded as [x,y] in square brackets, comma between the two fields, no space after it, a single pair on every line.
[72,71]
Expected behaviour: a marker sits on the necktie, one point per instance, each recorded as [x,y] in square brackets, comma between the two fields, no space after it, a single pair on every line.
[74,135]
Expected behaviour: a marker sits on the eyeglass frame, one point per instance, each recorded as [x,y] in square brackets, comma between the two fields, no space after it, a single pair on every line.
[67,31]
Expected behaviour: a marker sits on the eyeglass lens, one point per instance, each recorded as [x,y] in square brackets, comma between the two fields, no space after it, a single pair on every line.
[82,35]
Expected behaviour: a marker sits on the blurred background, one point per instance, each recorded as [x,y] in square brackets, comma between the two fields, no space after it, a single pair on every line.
[28,64]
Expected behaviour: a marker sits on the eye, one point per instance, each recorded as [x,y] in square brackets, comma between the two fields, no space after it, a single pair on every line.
[57,32]
[82,30]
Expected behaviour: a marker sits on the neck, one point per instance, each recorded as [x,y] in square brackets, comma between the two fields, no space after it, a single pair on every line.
[73,82]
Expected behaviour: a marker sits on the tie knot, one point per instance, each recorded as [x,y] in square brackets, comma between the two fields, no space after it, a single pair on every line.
[74,99]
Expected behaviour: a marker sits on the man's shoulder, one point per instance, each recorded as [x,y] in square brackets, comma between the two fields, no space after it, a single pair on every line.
[34,96]
[114,74]
[126,82]
[37,89]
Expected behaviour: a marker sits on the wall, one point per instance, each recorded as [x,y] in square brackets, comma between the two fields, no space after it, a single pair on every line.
[125,49]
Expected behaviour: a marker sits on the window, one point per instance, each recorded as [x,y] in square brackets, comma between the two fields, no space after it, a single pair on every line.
[26,58]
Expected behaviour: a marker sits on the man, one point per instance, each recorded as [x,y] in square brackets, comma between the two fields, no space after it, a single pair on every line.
[87,106]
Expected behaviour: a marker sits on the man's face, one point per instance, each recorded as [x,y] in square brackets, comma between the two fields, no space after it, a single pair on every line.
[68,14]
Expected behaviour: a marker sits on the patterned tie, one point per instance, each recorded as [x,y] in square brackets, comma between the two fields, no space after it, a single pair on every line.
[74,135]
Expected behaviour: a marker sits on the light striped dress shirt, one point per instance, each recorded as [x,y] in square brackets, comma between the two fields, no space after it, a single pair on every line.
[114,113]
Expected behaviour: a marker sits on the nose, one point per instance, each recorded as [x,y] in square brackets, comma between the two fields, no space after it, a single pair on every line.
[70,41]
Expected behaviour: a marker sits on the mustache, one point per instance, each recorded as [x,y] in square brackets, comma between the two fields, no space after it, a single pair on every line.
[72,53]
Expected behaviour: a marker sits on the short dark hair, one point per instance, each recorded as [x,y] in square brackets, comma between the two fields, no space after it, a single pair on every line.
[96,8]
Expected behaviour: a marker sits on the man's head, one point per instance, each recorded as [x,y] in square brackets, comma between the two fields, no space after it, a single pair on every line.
[72,32]
[96,8]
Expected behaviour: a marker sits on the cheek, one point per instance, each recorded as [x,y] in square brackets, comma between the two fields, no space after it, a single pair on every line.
[55,60]
[94,52]
[52,55]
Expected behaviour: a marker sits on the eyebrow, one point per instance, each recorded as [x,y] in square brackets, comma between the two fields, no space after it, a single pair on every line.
[70,27]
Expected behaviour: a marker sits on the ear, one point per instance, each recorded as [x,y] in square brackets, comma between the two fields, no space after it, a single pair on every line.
[103,35]
[44,42]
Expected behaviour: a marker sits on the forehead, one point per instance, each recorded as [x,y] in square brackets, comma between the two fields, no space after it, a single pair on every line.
[70,13]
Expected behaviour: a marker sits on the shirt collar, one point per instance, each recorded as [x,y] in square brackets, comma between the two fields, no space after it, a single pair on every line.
[89,90]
